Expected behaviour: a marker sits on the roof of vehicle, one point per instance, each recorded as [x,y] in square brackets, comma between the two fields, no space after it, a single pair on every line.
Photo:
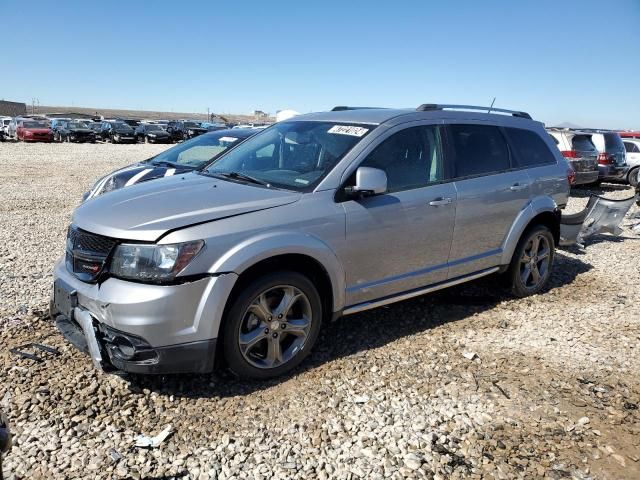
[572,131]
[377,116]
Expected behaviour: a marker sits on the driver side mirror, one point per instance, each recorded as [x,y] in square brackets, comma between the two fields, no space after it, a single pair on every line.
[369,181]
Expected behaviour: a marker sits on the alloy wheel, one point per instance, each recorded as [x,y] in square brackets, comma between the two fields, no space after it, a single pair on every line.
[535,261]
[275,327]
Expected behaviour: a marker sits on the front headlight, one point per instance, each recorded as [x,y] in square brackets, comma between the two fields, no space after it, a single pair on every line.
[190,132]
[152,135]
[153,263]
[108,186]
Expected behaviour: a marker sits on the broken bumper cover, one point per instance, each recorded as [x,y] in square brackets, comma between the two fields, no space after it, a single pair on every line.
[142,328]
[112,349]
[601,215]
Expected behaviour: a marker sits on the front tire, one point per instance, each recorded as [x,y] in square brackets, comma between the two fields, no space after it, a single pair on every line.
[272,325]
[532,262]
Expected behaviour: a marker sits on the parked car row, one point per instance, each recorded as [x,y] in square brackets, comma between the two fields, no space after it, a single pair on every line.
[595,155]
[42,129]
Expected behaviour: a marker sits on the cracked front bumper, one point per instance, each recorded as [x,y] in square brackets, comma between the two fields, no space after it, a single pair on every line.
[172,327]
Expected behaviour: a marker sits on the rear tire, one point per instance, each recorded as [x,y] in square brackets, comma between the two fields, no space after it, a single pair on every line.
[532,262]
[632,176]
[261,338]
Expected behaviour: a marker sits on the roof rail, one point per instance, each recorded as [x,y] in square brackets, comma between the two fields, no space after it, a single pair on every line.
[427,107]
[342,108]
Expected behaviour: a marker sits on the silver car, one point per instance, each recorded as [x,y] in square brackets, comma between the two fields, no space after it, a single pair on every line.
[317,217]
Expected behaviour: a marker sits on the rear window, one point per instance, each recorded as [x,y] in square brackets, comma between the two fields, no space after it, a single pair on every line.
[583,143]
[631,147]
[480,150]
[530,149]
[613,142]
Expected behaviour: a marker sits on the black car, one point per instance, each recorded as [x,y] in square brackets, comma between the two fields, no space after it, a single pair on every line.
[95,128]
[117,132]
[73,131]
[132,123]
[184,130]
[151,133]
[185,157]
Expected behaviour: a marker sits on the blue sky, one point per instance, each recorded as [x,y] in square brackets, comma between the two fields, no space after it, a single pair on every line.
[573,61]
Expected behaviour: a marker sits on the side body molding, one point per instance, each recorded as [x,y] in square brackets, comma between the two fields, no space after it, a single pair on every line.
[275,243]
[537,206]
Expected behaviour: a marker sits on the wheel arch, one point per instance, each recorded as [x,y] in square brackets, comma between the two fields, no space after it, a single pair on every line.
[544,211]
[300,253]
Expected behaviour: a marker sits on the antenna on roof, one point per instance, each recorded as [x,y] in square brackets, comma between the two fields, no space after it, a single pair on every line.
[491,106]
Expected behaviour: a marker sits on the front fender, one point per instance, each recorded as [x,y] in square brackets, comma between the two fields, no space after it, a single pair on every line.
[272,244]
[537,206]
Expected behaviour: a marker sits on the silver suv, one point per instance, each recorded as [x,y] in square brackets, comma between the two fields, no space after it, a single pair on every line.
[323,215]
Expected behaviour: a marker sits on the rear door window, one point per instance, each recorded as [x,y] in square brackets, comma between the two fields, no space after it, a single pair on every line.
[583,143]
[529,149]
[479,150]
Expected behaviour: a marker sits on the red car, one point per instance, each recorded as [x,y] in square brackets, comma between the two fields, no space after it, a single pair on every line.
[629,134]
[33,131]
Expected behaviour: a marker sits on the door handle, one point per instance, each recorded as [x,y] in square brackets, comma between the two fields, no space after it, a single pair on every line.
[518,186]
[440,201]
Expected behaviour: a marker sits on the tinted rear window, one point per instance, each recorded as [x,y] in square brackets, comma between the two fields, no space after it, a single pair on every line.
[480,149]
[612,142]
[583,143]
[530,149]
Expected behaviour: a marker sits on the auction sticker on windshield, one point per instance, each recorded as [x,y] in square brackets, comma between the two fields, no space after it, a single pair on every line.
[348,130]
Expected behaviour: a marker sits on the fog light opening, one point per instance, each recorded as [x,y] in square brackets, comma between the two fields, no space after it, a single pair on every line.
[125,348]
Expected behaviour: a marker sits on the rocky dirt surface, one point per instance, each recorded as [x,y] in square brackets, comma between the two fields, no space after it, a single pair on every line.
[464,383]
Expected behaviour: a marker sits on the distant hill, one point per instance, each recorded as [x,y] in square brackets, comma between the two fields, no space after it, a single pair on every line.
[146,114]
[568,125]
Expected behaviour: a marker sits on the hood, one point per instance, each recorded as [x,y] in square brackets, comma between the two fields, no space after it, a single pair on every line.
[148,210]
[158,133]
[123,131]
[132,175]
[80,130]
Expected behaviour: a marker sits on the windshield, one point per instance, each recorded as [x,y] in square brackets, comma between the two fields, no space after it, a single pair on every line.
[153,128]
[292,155]
[34,125]
[197,151]
[191,125]
[121,125]
[76,125]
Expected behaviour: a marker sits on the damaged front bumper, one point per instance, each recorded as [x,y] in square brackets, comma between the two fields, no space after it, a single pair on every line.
[601,215]
[142,328]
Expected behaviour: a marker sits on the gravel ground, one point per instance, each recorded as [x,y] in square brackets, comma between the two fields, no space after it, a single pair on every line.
[464,383]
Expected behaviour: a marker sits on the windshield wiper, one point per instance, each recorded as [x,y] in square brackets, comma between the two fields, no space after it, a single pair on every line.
[162,163]
[243,177]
